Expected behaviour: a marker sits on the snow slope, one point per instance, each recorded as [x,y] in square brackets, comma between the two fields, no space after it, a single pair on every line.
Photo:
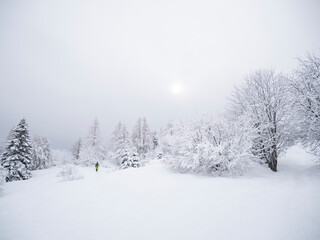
[156,203]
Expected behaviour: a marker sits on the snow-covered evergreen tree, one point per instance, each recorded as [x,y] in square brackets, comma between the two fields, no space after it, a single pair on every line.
[137,136]
[16,159]
[125,158]
[42,157]
[135,160]
[38,157]
[93,149]
[142,137]
[155,140]
[122,148]
[76,148]
[3,142]
[47,151]
[2,146]
[120,138]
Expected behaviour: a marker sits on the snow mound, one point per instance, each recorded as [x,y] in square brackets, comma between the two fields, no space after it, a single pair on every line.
[70,173]
[154,202]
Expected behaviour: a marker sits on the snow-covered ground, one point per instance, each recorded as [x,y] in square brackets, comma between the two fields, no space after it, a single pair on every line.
[155,203]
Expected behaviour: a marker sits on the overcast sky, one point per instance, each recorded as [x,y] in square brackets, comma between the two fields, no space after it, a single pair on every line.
[63,63]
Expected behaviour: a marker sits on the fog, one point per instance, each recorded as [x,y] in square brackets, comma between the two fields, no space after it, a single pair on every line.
[64,63]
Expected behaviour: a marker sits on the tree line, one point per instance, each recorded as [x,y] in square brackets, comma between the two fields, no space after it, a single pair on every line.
[266,114]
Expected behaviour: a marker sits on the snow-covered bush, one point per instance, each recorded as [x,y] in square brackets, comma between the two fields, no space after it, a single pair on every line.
[208,146]
[70,173]
[128,158]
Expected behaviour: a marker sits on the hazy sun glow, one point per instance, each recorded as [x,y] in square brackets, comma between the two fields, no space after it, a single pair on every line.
[176,89]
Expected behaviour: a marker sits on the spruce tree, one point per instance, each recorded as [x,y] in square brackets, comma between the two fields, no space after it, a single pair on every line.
[135,161]
[122,148]
[16,160]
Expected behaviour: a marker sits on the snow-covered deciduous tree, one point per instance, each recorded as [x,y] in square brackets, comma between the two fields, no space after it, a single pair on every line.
[76,148]
[16,159]
[305,89]
[92,149]
[264,100]
[142,137]
[41,154]
[208,146]
[122,148]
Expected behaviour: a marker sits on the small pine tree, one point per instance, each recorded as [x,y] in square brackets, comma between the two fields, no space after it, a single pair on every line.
[16,160]
[135,161]
[125,158]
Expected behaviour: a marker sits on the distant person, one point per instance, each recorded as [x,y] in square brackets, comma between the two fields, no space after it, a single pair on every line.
[97,166]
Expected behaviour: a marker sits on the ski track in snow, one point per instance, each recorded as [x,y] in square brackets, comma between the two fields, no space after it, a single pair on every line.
[154,202]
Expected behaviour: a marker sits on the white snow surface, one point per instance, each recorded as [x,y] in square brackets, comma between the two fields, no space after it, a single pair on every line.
[154,202]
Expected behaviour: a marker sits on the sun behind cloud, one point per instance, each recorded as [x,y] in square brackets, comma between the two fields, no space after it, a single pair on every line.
[177,89]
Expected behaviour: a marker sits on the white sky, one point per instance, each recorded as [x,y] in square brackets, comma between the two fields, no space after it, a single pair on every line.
[63,63]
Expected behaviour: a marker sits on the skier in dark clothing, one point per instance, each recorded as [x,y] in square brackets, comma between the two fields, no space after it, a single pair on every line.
[97,166]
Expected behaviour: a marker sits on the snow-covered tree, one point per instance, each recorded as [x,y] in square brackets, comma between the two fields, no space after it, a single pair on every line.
[3,142]
[2,146]
[142,137]
[3,174]
[120,138]
[41,157]
[135,160]
[155,140]
[208,146]
[124,156]
[47,151]
[76,148]
[122,148]
[62,157]
[92,149]
[16,159]
[264,100]
[305,88]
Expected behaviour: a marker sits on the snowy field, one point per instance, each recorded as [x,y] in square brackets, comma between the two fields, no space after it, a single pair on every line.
[155,203]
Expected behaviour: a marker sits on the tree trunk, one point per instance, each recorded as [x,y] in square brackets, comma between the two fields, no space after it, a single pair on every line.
[273,160]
